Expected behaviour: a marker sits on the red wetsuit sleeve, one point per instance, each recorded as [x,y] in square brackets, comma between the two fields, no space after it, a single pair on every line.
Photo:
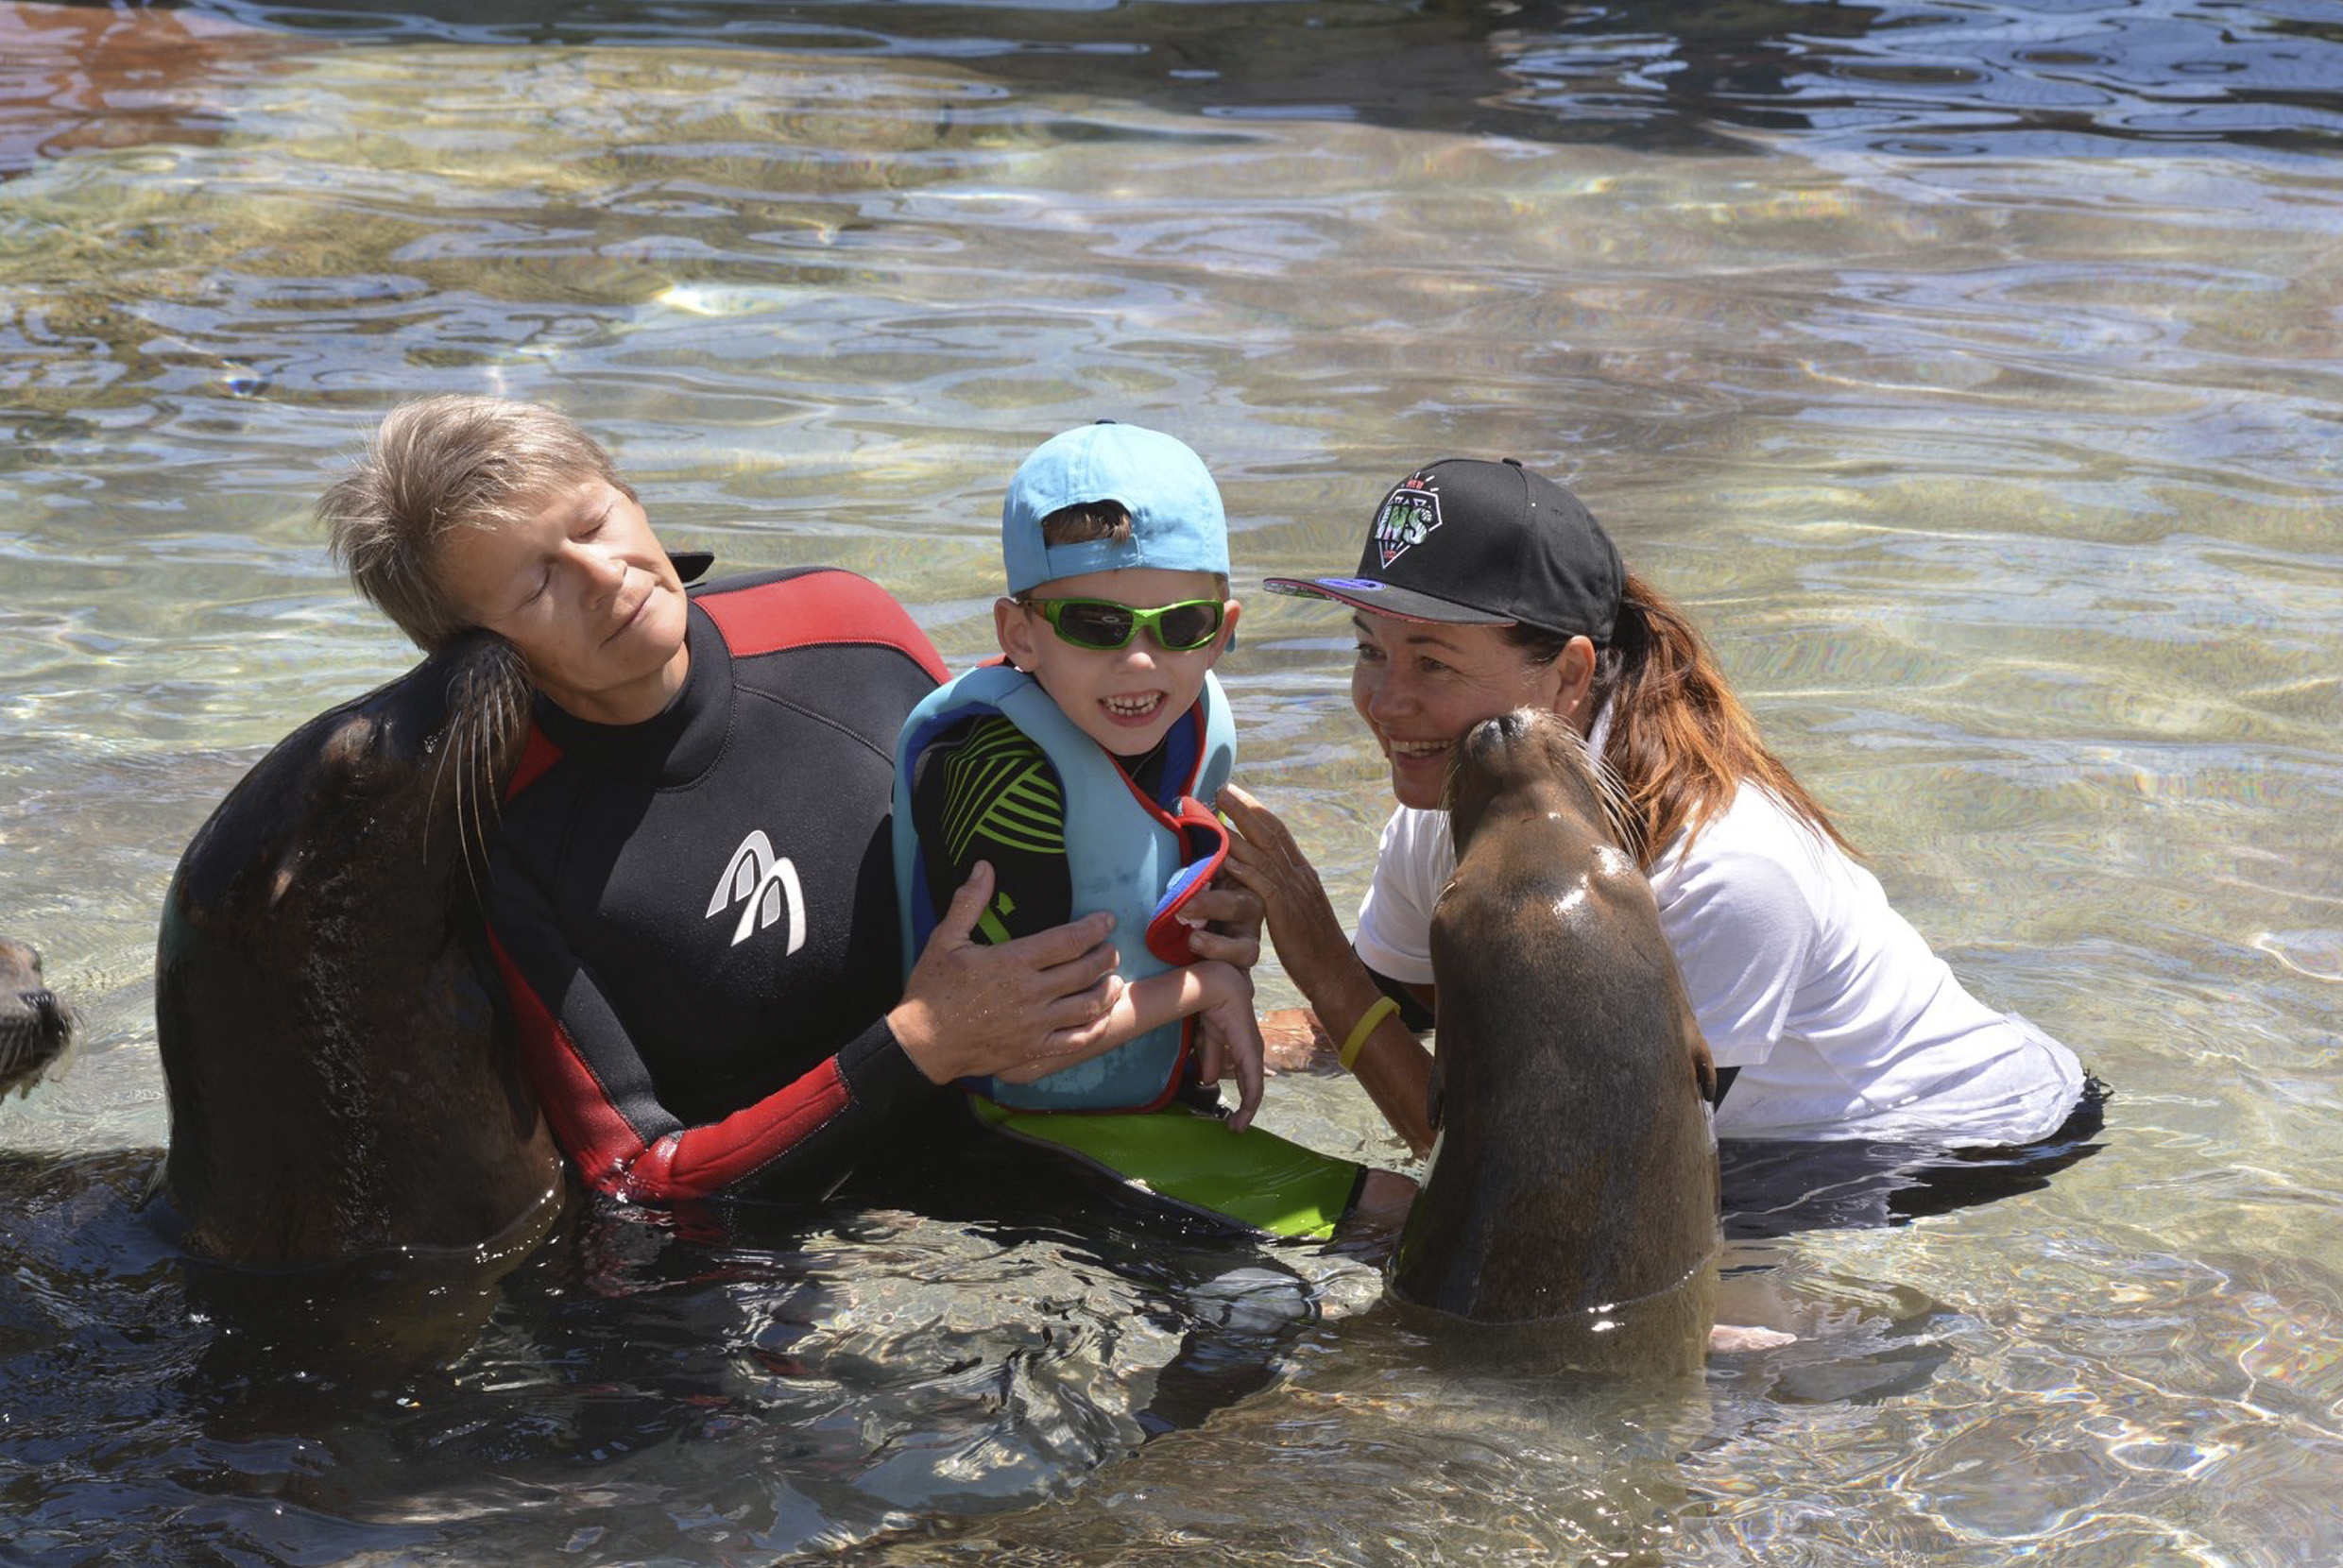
[799,1140]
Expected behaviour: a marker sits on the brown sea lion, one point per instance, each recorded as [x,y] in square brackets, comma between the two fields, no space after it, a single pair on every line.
[1571,1204]
[36,1025]
[341,1074]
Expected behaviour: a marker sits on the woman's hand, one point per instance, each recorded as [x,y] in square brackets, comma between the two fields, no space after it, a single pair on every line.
[1029,1006]
[1300,920]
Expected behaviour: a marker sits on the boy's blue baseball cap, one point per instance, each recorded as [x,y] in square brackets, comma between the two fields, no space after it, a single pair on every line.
[1176,521]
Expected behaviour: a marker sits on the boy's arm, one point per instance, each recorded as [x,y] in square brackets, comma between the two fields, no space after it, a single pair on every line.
[1222,993]
[1228,1035]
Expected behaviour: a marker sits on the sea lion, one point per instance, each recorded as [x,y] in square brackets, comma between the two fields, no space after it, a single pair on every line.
[341,1072]
[1573,1183]
[36,1025]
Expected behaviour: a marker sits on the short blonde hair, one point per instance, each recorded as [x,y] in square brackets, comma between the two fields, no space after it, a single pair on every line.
[440,464]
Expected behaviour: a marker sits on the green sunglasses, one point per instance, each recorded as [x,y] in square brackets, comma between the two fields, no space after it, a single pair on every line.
[1102,624]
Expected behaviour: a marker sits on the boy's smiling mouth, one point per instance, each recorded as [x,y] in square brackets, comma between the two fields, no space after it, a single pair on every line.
[1135,709]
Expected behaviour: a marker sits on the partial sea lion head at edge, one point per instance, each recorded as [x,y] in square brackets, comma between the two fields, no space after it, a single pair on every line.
[37,1026]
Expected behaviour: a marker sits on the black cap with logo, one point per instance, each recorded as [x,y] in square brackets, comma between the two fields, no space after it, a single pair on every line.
[1473,542]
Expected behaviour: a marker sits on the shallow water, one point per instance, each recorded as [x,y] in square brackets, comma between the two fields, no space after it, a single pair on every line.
[1972,372]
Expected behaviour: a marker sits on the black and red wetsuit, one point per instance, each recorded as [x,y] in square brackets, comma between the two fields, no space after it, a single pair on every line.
[695,914]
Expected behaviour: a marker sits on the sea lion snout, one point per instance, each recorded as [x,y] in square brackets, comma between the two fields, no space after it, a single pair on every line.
[1487,742]
[1508,727]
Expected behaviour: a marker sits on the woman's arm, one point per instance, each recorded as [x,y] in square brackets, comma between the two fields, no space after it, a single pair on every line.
[600,1100]
[1294,1040]
[1391,1064]
[1019,1008]
[1037,1003]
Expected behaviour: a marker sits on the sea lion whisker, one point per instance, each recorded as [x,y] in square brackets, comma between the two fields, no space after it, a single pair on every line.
[470,806]
[467,796]
[465,738]
[490,736]
[438,778]
[1619,801]
[494,714]
[483,732]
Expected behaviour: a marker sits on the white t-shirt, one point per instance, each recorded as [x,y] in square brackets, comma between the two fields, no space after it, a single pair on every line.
[1842,1021]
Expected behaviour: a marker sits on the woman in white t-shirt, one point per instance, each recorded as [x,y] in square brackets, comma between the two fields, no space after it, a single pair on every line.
[1485,587]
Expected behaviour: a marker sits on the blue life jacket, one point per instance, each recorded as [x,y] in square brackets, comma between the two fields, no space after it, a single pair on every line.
[1138,858]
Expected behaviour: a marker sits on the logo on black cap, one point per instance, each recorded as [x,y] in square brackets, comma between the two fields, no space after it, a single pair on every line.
[1410,514]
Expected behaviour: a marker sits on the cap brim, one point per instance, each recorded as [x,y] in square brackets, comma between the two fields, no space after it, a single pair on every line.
[1365,593]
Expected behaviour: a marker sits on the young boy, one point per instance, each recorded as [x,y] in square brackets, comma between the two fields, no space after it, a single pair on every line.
[1080,767]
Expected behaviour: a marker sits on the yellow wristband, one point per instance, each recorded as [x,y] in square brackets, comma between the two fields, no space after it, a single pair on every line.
[1384,1007]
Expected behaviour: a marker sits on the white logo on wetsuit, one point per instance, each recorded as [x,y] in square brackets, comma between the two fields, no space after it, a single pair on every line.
[760,882]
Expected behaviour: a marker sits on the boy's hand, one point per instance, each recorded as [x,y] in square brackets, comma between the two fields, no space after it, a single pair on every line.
[1229,1040]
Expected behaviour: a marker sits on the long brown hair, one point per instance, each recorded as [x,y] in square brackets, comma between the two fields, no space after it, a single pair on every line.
[1681,743]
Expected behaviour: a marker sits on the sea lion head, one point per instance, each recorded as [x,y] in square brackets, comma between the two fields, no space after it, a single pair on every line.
[37,1026]
[1533,761]
[414,766]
